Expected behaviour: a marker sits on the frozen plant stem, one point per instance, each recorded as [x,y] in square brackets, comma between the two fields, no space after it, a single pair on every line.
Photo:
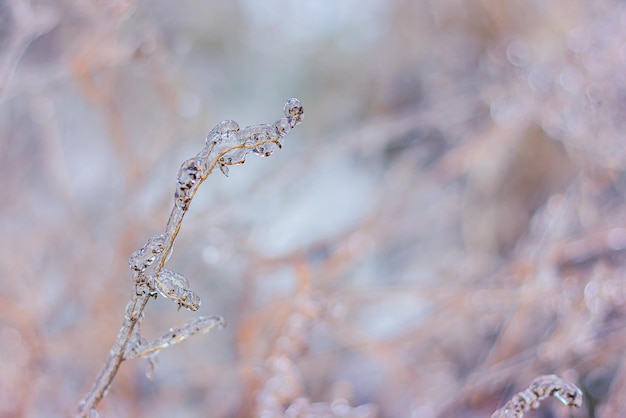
[529,399]
[225,145]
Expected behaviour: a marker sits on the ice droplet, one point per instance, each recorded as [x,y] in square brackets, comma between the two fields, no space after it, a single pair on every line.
[224,169]
[155,245]
[175,286]
[261,134]
[146,255]
[234,157]
[257,133]
[190,300]
[265,150]
[152,362]
[137,260]
[282,126]
[222,131]
[227,127]
[294,111]
[266,135]
[188,175]
[170,284]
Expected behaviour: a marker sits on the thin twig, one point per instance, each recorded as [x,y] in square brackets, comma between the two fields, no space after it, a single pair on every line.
[29,25]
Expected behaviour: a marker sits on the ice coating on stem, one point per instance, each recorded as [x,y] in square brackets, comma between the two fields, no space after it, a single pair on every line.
[133,311]
[135,346]
[142,258]
[226,144]
[265,150]
[235,156]
[261,139]
[282,126]
[189,174]
[152,362]
[222,132]
[542,387]
[294,111]
[175,286]
[199,325]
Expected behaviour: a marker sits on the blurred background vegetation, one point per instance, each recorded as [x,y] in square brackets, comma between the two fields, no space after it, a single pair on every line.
[446,224]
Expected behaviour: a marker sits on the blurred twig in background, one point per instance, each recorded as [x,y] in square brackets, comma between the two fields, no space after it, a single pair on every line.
[540,388]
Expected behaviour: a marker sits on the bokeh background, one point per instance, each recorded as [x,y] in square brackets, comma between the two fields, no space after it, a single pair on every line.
[447,223]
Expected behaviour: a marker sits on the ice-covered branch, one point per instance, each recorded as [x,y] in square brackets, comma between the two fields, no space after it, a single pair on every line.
[199,325]
[225,145]
[541,388]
